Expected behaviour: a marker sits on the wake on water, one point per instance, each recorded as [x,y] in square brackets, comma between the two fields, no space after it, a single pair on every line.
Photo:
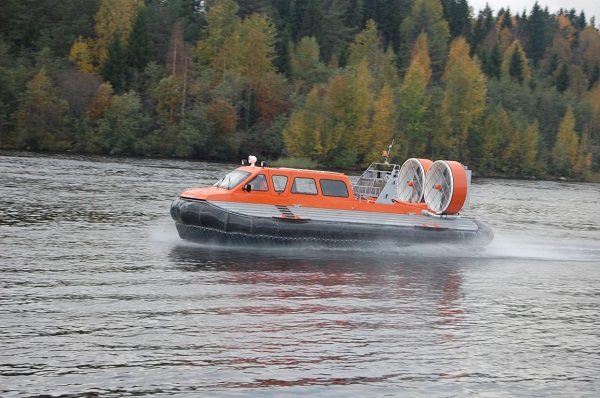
[503,246]
[540,248]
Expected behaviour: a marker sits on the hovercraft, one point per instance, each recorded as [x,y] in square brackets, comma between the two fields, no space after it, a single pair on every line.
[419,202]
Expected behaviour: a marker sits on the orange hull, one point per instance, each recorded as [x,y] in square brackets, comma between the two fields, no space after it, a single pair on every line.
[288,198]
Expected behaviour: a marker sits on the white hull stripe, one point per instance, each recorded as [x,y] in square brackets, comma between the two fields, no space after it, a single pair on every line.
[349,216]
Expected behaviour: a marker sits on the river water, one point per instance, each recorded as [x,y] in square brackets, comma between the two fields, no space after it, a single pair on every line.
[99,296]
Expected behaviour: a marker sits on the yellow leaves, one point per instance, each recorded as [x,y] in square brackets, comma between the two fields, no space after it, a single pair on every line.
[528,147]
[589,44]
[246,47]
[506,148]
[593,98]
[585,155]
[367,48]
[509,149]
[257,45]
[303,136]
[39,83]
[113,16]
[40,117]
[566,28]
[464,99]
[563,39]
[365,45]
[569,156]
[564,153]
[420,61]
[102,100]
[383,125]
[466,87]
[81,55]
[413,101]
[169,94]
[335,94]
[342,122]
[363,96]
[508,57]
[37,99]
[304,55]
[458,54]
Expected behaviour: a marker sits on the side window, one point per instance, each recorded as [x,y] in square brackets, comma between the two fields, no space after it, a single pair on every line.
[304,185]
[259,183]
[279,183]
[334,188]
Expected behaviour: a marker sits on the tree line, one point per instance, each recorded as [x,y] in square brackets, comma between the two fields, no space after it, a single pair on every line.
[331,81]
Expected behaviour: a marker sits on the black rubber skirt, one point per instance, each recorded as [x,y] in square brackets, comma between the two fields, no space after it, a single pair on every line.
[200,221]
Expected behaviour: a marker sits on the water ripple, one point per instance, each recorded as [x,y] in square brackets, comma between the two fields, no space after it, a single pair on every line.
[101,299]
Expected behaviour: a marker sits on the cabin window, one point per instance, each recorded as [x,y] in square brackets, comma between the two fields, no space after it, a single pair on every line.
[259,183]
[279,183]
[334,188]
[306,186]
[232,179]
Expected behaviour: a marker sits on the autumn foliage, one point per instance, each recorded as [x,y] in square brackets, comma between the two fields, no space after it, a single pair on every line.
[334,82]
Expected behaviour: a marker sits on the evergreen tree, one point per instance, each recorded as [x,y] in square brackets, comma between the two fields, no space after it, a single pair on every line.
[515,67]
[138,47]
[563,79]
[514,64]
[594,76]
[335,36]
[538,33]
[427,16]
[388,14]
[309,19]
[494,63]
[483,25]
[283,21]
[114,69]
[458,15]
[553,62]
[505,18]
[354,14]
[31,25]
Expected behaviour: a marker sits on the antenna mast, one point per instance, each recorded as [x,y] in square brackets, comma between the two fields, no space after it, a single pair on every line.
[386,153]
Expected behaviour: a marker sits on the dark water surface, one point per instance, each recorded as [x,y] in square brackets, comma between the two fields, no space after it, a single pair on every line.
[99,297]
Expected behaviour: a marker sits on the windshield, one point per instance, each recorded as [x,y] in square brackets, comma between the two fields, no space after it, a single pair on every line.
[232,179]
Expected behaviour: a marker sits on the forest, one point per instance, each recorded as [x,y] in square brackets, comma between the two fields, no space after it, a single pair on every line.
[511,93]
